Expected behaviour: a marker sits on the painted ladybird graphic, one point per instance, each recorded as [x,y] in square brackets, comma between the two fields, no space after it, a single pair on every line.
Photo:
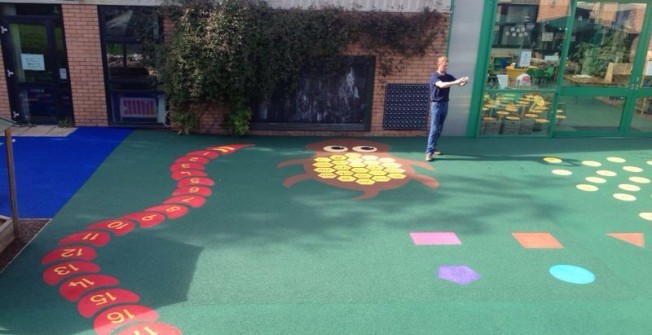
[358,164]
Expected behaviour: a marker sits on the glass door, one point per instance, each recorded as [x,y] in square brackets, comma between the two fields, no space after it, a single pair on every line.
[36,70]
[641,119]
[604,73]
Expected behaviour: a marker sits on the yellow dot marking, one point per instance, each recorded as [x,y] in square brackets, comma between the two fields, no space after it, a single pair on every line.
[552,160]
[632,169]
[606,173]
[640,180]
[346,179]
[561,172]
[629,187]
[327,175]
[624,197]
[616,159]
[646,216]
[587,187]
[592,163]
[649,162]
[596,180]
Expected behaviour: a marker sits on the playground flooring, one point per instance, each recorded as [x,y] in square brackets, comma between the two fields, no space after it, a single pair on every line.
[211,235]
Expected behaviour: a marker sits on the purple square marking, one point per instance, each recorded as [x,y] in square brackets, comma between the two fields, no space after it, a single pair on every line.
[435,238]
[460,274]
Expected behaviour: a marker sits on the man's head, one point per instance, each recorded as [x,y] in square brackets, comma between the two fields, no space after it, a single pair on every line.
[442,64]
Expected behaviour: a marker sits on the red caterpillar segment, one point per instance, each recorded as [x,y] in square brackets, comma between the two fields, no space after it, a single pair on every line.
[57,272]
[193,201]
[146,219]
[172,211]
[180,174]
[70,253]
[119,316]
[94,237]
[226,149]
[93,302]
[192,159]
[75,287]
[199,190]
[150,328]
[186,166]
[202,181]
[118,227]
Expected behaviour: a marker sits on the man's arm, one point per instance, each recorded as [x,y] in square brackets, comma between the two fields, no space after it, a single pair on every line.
[447,84]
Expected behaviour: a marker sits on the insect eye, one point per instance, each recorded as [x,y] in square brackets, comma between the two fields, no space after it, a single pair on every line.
[364,148]
[336,148]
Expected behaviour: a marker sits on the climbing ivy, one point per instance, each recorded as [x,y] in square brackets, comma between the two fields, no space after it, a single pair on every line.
[234,52]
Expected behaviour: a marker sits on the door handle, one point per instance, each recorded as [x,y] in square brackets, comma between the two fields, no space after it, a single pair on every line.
[10,73]
[3,29]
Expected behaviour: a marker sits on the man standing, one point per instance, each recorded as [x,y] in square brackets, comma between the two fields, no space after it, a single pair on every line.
[440,83]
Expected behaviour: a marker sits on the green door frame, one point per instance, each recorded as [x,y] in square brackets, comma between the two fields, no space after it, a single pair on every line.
[632,92]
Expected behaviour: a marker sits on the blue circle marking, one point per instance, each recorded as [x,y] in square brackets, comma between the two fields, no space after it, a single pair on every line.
[572,274]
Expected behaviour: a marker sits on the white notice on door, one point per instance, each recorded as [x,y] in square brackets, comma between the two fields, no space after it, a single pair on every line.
[32,62]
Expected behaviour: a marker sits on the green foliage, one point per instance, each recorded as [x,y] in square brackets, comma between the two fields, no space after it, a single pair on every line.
[238,120]
[594,57]
[234,52]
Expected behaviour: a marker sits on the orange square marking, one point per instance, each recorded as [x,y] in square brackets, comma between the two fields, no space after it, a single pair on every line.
[537,240]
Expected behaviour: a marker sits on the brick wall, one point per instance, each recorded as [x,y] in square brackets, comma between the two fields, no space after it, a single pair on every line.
[5,109]
[416,71]
[82,31]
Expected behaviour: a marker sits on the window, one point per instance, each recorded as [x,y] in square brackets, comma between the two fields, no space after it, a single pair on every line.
[131,37]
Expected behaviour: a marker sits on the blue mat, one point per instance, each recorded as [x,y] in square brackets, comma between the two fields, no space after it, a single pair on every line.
[49,170]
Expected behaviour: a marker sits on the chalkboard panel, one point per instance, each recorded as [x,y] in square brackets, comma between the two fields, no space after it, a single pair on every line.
[323,102]
[406,107]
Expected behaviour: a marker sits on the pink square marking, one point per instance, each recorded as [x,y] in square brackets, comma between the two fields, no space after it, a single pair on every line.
[435,238]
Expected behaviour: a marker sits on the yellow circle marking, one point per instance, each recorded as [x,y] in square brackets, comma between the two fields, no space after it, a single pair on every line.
[596,180]
[640,180]
[649,162]
[587,187]
[396,176]
[616,159]
[646,216]
[592,163]
[346,179]
[327,175]
[606,173]
[629,187]
[553,160]
[632,169]
[624,197]
[561,172]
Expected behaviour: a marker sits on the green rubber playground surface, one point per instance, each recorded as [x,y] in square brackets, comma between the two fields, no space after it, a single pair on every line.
[319,235]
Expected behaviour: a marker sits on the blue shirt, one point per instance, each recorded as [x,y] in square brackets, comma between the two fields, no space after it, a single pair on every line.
[439,94]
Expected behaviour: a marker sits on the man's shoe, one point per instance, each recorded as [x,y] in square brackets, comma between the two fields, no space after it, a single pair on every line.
[428,157]
[437,152]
